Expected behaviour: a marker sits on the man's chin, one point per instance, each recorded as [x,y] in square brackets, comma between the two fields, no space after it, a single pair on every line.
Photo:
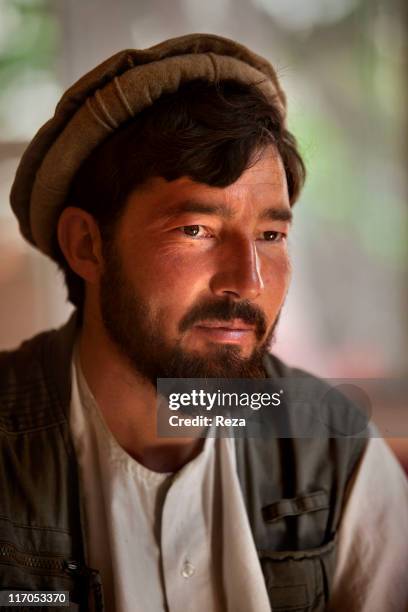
[220,361]
[224,350]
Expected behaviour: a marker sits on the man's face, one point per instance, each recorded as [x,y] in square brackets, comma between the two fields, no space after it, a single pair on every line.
[196,276]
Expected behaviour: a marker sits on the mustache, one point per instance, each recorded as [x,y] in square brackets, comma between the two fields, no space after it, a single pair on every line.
[226,310]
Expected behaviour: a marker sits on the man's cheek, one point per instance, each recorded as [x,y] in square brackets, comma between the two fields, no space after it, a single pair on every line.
[276,277]
[182,276]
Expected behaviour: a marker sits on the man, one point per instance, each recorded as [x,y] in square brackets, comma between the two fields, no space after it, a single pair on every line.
[163,187]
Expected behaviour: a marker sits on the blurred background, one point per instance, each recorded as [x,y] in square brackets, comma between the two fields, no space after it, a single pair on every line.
[343,64]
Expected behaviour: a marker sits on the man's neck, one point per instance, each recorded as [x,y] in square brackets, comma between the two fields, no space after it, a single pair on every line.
[127,402]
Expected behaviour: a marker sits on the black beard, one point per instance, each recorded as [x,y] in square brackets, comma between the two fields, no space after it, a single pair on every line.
[130,326]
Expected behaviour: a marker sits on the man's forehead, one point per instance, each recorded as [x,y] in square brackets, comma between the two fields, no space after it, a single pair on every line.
[261,186]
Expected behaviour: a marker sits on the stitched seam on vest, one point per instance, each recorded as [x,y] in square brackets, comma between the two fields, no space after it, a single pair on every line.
[35,527]
[13,433]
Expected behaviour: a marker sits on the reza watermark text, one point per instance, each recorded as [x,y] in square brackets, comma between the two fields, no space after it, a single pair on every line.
[203,421]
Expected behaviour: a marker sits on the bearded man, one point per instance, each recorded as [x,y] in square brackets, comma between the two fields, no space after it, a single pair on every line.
[163,187]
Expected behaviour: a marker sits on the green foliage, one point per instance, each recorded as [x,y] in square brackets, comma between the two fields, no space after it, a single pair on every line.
[28,37]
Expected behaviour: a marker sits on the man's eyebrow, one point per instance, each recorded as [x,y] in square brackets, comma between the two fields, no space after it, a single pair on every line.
[193,206]
[277,214]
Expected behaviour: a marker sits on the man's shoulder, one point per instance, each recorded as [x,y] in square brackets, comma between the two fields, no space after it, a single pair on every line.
[21,362]
[321,407]
[33,378]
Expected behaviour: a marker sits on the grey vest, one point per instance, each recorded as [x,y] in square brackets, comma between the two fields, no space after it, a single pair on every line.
[294,489]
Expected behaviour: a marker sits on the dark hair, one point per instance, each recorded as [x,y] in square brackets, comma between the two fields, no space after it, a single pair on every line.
[210,133]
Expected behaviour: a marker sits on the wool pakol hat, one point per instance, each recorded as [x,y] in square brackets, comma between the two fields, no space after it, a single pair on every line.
[110,95]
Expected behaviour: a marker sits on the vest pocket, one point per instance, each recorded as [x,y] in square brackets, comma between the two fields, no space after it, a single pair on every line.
[297,581]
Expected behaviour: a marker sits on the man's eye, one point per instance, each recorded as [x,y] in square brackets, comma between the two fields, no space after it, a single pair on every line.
[271,236]
[193,231]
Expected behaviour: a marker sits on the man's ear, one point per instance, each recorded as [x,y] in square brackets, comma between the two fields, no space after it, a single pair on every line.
[80,241]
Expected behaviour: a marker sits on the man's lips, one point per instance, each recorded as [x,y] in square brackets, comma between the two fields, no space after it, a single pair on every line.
[230,332]
[235,324]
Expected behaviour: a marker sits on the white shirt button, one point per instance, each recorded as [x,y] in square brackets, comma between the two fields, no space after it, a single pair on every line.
[187,570]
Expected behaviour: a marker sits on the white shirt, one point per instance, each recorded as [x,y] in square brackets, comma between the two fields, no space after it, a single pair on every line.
[165,542]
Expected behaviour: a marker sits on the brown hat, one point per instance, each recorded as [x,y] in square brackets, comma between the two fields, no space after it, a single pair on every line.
[106,97]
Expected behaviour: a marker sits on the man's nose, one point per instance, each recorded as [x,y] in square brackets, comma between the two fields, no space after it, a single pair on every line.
[238,273]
